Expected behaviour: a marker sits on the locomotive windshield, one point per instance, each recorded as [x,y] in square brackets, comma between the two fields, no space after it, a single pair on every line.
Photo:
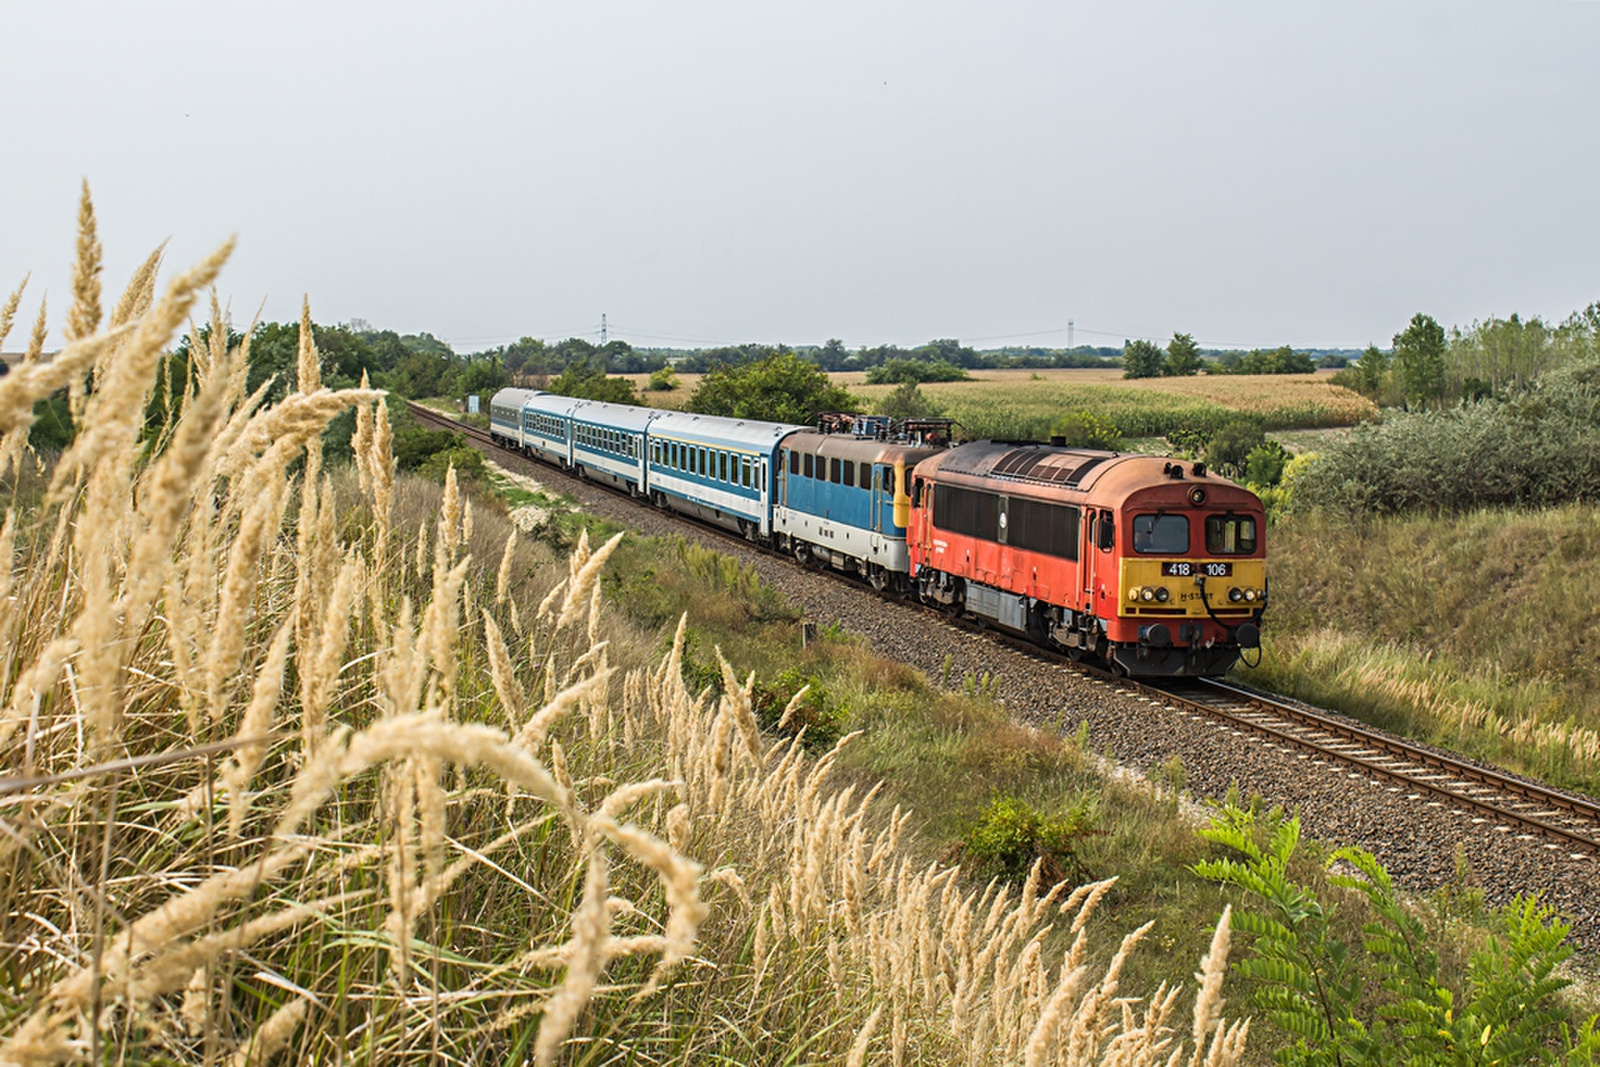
[1230,535]
[1165,534]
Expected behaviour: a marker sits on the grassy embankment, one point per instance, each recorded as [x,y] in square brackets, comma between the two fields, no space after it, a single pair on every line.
[400,793]
[1476,631]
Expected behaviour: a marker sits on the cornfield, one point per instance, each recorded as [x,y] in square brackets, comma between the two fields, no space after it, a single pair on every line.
[287,778]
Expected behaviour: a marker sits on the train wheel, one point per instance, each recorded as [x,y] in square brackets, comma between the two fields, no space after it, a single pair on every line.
[877,577]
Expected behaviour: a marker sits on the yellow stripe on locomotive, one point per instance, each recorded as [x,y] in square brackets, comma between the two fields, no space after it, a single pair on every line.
[1183,588]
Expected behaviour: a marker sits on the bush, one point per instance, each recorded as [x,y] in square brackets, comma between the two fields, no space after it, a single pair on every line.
[1264,465]
[908,402]
[1381,997]
[1539,449]
[916,370]
[1011,835]
[1228,450]
[662,380]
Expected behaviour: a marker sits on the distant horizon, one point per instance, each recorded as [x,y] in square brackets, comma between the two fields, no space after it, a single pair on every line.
[710,172]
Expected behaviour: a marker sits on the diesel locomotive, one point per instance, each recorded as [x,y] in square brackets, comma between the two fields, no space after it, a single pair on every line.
[1151,566]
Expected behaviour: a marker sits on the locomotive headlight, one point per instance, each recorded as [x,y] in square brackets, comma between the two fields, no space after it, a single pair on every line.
[1133,594]
[1262,595]
[1235,594]
[1250,595]
[1147,594]
[1162,594]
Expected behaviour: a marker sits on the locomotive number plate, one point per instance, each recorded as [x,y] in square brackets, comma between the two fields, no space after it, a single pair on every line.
[1185,569]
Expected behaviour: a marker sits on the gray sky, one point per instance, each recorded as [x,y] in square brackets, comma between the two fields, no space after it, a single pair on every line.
[1250,173]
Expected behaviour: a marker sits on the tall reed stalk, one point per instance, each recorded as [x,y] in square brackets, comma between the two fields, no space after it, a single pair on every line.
[284,780]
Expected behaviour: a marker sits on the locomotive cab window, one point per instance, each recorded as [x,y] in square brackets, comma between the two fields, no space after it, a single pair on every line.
[1164,534]
[1230,535]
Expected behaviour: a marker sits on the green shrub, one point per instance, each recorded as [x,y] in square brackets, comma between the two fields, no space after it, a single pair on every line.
[1011,835]
[1228,450]
[908,402]
[1538,449]
[662,380]
[915,370]
[1380,998]
[1264,465]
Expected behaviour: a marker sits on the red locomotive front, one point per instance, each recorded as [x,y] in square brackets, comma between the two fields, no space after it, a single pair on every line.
[1154,566]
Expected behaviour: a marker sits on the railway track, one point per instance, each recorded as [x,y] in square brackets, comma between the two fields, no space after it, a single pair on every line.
[1513,804]
[1509,804]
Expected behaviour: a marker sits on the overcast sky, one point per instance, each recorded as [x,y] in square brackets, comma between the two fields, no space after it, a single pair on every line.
[701,173]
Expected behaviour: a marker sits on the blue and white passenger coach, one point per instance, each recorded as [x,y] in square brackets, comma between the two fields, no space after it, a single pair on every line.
[608,443]
[505,416]
[716,469]
[547,427]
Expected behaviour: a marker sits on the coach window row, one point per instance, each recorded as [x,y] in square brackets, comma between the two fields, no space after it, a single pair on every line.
[604,440]
[831,469]
[548,425]
[710,463]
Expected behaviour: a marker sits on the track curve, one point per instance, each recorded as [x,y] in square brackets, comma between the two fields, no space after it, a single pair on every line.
[1492,799]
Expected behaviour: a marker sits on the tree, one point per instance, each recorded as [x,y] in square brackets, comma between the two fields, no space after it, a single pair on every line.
[483,377]
[1419,357]
[907,402]
[1183,356]
[1141,359]
[780,388]
[586,379]
[1370,369]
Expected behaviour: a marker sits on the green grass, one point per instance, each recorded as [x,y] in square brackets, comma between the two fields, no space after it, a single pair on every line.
[1475,631]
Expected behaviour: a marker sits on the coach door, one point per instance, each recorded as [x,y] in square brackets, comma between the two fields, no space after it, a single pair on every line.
[879,496]
[766,497]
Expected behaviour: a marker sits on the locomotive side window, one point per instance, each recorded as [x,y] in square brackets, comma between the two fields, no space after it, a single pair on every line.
[809,461]
[1041,527]
[965,511]
[794,461]
[1230,535]
[1106,538]
[849,477]
[833,471]
[1165,534]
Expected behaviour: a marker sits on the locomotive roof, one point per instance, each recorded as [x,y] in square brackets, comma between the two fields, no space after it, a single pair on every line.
[1111,475]
[849,446]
